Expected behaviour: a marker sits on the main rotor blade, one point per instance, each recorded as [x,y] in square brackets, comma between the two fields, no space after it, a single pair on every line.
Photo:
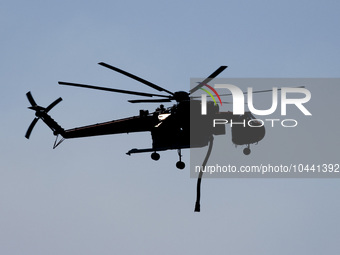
[258,91]
[150,84]
[223,102]
[30,128]
[30,98]
[212,76]
[245,92]
[48,108]
[111,90]
[150,101]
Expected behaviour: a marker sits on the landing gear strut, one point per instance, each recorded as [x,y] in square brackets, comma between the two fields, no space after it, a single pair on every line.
[180,164]
[247,150]
[155,156]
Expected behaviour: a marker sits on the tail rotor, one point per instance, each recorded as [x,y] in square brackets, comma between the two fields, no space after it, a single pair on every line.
[41,113]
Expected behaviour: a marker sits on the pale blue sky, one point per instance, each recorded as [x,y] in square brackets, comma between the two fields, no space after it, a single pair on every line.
[87,196]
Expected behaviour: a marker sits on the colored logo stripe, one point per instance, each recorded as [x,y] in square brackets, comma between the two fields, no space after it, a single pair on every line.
[215,92]
[209,94]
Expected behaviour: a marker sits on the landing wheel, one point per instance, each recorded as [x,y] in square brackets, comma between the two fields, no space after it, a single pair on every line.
[246,151]
[180,165]
[155,156]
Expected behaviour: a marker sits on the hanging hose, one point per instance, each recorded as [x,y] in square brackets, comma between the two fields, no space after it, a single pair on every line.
[200,175]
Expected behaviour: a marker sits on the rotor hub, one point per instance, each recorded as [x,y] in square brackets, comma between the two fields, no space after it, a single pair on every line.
[180,96]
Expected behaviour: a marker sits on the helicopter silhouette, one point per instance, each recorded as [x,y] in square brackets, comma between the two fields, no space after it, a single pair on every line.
[169,127]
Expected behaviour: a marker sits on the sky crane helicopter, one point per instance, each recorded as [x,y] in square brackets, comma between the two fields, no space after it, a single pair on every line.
[169,127]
